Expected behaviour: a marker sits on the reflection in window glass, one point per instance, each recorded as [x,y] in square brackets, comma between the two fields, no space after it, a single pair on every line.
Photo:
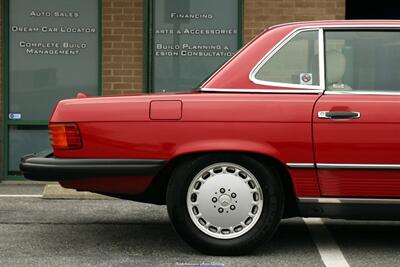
[47,66]
[296,62]
[25,140]
[185,51]
[362,60]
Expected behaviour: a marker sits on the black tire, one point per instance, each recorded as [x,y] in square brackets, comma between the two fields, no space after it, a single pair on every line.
[262,231]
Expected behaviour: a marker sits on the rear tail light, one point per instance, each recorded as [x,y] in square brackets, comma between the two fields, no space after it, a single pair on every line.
[65,136]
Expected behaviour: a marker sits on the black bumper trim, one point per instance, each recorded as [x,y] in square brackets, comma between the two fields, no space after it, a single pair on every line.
[359,211]
[44,167]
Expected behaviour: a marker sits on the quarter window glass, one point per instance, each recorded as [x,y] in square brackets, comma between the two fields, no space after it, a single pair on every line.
[295,63]
[362,60]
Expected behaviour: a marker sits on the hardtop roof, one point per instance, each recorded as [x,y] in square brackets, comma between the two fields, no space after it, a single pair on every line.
[299,24]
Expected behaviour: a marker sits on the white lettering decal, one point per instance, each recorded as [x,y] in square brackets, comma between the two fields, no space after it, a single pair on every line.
[174,15]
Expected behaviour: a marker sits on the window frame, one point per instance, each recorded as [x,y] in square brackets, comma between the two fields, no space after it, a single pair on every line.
[362,28]
[278,47]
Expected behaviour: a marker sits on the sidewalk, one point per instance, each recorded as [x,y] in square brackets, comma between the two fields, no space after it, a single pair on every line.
[44,190]
[21,187]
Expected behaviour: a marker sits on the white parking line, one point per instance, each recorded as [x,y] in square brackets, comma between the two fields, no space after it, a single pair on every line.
[21,196]
[330,252]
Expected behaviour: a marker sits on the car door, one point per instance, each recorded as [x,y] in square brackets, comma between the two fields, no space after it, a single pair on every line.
[356,122]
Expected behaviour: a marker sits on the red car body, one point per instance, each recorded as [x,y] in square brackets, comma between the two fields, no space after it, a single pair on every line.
[347,167]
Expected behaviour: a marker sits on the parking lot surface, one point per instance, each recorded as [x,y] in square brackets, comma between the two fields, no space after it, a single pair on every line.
[43,232]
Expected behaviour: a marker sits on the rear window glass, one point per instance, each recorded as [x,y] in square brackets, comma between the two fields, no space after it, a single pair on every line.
[295,63]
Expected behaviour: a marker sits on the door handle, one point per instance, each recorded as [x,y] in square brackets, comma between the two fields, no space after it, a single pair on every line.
[338,115]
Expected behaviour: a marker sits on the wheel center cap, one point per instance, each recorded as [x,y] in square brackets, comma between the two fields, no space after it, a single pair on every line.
[225,200]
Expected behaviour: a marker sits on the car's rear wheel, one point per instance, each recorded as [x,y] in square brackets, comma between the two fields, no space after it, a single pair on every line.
[224,203]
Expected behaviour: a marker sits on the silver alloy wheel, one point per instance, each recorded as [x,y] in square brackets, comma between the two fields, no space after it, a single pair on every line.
[224,200]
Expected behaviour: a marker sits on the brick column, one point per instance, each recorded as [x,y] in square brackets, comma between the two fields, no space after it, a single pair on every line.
[2,116]
[122,46]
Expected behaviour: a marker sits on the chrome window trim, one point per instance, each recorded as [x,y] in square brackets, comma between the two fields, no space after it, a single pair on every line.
[328,200]
[358,166]
[270,91]
[321,55]
[279,46]
[321,28]
[355,92]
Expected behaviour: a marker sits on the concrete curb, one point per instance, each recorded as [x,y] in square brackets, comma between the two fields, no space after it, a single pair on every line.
[23,182]
[56,191]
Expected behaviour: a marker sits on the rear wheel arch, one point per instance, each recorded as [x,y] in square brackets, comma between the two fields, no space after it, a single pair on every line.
[161,180]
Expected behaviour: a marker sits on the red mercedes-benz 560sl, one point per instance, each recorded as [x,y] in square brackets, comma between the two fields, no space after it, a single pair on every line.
[303,121]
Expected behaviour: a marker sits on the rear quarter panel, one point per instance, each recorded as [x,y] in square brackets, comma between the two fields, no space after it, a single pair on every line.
[277,125]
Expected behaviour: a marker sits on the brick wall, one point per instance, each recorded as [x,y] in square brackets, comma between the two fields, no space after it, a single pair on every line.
[122,46]
[259,14]
[1,86]
[123,33]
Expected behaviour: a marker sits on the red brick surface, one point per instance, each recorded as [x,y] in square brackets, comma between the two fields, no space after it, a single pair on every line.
[1,84]
[122,46]
[259,14]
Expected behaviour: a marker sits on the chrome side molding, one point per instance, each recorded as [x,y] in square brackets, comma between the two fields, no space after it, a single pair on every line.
[359,166]
[301,165]
[343,166]
[328,200]
[262,91]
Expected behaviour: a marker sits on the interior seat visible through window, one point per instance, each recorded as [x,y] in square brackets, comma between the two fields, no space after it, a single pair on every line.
[335,70]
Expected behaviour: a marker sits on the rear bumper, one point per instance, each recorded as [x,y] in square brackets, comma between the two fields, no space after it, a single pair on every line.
[44,166]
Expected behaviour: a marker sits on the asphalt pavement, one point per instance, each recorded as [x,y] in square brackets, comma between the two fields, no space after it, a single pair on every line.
[44,232]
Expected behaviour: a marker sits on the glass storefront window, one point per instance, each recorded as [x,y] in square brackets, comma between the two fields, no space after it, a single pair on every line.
[190,39]
[52,50]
